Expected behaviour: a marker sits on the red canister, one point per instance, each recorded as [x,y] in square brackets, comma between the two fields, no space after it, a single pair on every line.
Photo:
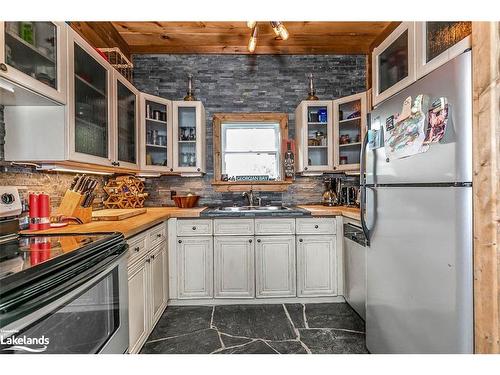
[34,211]
[44,211]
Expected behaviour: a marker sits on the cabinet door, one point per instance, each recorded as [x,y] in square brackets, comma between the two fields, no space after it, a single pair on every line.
[439,42]
[158,280]
[126,135]
[316,138]
[89,104]
[155,134]
[188,137]
[195,267]
[394,62]
[317,266]
[138,291]
[349,129]
[33,54]
[234,266]
[275,266]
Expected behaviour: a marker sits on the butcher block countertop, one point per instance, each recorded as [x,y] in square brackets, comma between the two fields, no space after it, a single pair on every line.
[129,227]
[319,210]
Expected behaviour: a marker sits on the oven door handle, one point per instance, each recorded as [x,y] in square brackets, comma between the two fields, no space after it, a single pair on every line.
[63,285]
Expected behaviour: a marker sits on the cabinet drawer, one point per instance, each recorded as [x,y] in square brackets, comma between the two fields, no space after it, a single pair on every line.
[157,234]
[137,247]
[316,226]
[275,226]
[227,227]
[194,227]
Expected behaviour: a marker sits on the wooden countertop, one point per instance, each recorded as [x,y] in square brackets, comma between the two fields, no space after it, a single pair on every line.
[129,227]
[319,210]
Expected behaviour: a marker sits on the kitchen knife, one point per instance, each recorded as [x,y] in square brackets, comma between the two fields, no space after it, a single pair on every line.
[73,183]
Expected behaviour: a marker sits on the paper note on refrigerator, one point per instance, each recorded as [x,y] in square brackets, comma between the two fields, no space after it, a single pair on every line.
[405,137]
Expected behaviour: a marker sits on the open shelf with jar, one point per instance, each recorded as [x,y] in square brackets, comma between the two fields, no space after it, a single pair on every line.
[349,130]
[313,120]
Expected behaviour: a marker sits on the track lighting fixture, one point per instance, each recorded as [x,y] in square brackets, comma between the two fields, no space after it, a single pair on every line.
[278,28]
[251,24]
[252,43]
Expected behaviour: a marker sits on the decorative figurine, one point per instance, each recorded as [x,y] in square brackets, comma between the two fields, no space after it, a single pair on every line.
[190,92]
[312,91]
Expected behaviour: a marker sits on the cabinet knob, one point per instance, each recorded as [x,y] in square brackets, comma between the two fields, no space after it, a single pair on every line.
[3,67]
[136,249]
[316,226]
[250,241]
[198,169]
[148,260]
[300,240]
[153,256]
[171,169]
[258,240]
[159,235]
[180,241]
[305,168]
[194,228]
[334,168]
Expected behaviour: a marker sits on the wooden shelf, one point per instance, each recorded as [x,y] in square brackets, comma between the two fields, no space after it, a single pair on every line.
[91,124]
[317,147]
[317,123]
[186,141]
[156,146]
[154,120]
[89,85]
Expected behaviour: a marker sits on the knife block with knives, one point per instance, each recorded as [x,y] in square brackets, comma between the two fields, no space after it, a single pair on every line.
[76,204]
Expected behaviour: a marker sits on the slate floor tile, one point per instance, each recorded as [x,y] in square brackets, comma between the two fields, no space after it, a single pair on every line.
[255,347]
[333,315]
[178,320]
[296,312]
[330,341]
[200,342]
[257,321]
[233,341]
[287,347]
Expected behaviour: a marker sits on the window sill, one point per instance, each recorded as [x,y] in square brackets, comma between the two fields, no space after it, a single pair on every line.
[239,186]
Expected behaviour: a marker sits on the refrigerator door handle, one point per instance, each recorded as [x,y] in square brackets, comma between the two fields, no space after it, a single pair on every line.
[362,180]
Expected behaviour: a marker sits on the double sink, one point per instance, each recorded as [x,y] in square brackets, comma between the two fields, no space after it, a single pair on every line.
[254,208]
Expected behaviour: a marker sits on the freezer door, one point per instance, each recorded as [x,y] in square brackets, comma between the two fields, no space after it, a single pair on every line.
[447,161]
[419,270]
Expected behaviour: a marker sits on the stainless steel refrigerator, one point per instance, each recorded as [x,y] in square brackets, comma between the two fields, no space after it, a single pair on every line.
[417,214]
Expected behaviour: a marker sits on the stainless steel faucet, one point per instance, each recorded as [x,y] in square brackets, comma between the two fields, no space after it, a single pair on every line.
[251,198]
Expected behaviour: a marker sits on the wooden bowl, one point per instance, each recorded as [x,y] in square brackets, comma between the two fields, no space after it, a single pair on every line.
[187,201]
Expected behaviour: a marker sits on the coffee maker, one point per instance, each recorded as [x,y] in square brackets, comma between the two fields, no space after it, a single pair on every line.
[331,195]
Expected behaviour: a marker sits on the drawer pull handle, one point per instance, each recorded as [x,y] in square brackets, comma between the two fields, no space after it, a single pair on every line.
[300,240]
[136,249]
[180,241]
[250,241]
[194,228]
[258,240]
[152,256]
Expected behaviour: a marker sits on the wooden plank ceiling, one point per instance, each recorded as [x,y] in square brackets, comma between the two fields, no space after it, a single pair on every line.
[232,37]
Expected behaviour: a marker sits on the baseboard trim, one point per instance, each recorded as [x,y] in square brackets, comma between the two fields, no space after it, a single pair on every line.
[253,301]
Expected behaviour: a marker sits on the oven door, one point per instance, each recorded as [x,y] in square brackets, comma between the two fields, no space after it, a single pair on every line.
[91,318]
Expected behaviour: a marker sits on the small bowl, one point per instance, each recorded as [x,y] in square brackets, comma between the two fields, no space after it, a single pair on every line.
[187,201]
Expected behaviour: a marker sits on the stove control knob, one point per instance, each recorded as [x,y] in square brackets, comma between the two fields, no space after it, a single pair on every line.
[8,198]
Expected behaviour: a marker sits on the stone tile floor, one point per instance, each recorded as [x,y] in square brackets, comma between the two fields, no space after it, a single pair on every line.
[316,328]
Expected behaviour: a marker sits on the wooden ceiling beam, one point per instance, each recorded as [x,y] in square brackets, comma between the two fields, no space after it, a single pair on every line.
[101,35]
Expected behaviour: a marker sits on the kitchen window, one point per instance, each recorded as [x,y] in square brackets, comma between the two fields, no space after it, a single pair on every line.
[248,150]
[251,149]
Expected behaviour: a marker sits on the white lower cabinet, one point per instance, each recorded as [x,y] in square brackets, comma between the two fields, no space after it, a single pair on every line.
[138,305]
[195,267]
[316,266]
[234,266]
[275,266]
[147,287]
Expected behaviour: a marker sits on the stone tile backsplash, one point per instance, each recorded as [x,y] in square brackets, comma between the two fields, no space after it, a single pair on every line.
[224,83]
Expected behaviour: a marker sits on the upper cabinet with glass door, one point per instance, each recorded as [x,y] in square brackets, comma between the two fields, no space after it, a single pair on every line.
[313,119]
[188,137]
[126,137]
[89,106]
[33,55]
[439,42]
[349,130]
[155,134]
[393,62]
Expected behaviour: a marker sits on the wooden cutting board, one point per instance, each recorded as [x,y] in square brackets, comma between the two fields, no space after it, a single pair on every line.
[114,214]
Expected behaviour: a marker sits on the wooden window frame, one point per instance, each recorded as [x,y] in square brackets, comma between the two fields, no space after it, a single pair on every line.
[251,118]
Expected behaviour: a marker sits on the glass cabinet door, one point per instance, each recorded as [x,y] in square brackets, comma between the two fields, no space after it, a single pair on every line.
[91,105]
[318,136]
[157,138]
[186,137]
[126,123]
[31,47]
[440,36]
